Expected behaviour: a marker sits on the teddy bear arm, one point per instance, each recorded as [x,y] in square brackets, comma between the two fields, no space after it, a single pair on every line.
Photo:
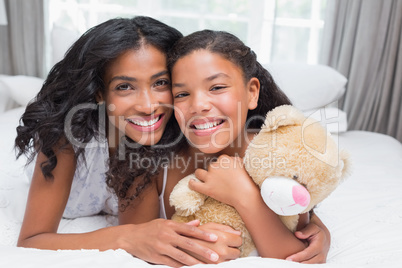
[186,201]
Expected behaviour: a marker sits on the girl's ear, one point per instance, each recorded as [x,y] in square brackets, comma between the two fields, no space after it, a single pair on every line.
[253,93]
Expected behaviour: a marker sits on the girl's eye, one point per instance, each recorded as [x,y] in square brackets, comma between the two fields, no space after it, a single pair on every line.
[217,88]
[180,95]
[124,87]
[162,82]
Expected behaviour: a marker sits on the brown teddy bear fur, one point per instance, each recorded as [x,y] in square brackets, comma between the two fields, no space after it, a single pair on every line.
[293,146]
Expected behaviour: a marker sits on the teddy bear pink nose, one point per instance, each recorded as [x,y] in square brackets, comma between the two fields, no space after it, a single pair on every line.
[300,195]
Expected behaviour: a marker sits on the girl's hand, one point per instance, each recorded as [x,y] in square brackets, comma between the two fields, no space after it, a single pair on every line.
[227,244]
[318,238]
[167,242]
[226,181]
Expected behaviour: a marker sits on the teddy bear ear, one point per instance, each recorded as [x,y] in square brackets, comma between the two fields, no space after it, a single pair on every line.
[344,165]
[285,115]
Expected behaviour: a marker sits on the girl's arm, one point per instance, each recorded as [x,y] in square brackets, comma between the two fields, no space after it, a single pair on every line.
[318,238]
[227,181]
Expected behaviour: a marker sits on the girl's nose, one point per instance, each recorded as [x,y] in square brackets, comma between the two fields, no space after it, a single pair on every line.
[199,104]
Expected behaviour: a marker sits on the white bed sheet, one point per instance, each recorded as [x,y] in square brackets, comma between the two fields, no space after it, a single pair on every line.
[364,214]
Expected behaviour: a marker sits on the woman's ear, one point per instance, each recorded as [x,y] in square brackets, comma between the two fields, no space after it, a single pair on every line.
[99,98]
[253,93]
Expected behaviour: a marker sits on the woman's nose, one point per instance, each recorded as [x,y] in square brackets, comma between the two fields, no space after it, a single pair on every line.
[147,102]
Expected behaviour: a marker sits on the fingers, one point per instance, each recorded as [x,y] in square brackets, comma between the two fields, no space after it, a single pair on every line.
[165,260]
[314,253]
[200,174]
[308,231]
[222,227]
[195,223]
[190,230]
[191,246]
[306,258]
[232,254]
[302,256]
[231,237]
[181,241]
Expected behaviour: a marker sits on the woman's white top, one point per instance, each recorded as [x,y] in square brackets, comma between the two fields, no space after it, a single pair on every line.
[162,211]
[89,193]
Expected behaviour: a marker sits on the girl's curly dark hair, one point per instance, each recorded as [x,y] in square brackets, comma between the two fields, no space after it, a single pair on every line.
[233,49]
[75,82]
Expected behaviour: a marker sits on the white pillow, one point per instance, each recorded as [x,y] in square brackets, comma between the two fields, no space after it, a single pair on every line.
[21,88]
[333,119]
[308,86]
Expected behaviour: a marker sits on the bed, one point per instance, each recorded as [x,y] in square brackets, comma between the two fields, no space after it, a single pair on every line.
[363,215]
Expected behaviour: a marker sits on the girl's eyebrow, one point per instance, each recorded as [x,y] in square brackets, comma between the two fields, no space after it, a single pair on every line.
[212,77]
[132,79]
[209,78]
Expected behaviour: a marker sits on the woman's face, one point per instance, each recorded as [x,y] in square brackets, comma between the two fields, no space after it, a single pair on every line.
[211,100]
[138,95]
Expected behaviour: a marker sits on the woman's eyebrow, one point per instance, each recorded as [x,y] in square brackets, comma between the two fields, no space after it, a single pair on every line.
[159,74]
[132,79]
[122,77]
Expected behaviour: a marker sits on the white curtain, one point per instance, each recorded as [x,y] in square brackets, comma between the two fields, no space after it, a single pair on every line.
[363,40]
[22,39]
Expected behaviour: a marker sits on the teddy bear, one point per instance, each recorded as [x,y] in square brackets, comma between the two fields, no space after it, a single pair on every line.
[295,162]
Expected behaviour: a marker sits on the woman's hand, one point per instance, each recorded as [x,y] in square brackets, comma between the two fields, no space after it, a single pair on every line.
[229,240]
[167,242]
[226,181]
[318,238]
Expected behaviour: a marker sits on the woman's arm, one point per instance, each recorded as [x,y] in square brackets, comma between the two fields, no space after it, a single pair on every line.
[227,181]
[161,241]
[46,202]
[45,206]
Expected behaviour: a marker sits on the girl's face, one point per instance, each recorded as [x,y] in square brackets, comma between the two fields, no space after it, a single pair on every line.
[211,100]
[138,95]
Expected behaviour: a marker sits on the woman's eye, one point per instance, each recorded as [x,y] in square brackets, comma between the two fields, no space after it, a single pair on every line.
[180,95]
[162,82]
[124,87]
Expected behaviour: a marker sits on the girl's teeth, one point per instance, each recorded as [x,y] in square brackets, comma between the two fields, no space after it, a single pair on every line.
[207,125]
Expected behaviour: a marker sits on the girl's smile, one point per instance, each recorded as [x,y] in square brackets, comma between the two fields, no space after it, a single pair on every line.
[212,100]
[206,126]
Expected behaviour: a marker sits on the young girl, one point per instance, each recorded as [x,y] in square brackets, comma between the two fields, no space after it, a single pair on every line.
[221,96]
[217,86]
[117,70]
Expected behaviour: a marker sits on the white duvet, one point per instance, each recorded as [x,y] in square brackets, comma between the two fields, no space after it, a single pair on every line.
[364,215]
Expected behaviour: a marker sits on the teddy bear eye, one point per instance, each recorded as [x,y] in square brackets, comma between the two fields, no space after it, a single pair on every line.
[295,177]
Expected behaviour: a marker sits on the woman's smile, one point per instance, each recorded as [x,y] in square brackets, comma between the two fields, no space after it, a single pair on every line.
[146,124]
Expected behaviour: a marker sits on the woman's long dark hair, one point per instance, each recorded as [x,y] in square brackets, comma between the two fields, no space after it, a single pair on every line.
[77,80]
[233,49]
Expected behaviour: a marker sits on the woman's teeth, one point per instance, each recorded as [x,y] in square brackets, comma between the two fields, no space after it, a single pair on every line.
[144,123]
[208,125]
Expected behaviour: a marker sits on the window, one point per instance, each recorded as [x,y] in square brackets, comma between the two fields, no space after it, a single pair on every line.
[277,30]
